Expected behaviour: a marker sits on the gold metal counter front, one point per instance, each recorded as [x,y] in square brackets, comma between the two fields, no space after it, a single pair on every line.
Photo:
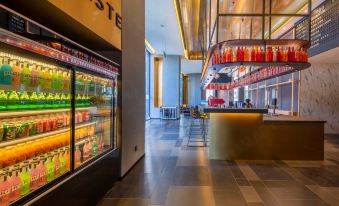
[245,136]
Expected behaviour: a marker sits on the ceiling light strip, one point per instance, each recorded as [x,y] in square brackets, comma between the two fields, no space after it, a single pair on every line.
[149,46]
[177,11]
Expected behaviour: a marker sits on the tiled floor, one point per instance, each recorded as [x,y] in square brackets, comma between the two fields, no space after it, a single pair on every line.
[172,174]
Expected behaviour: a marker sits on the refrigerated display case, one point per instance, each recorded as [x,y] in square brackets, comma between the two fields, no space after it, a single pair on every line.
[57,114]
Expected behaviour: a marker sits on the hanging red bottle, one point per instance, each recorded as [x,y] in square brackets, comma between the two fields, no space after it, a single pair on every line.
[292,55]
[278,55]
[253,55]
[289,57]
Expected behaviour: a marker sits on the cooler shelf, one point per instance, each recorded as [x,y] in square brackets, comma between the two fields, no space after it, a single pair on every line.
[38,112]
[39,136]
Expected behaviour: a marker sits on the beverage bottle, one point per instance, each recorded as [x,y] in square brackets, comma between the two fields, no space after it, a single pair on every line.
[253,54]
[57,101]
[293,54]
[297,55]
[78,101]
[67,158]
[63,100]
[50,100]
[56,162]
[34,101]
[62,161]
[68,100]
[246,55]
[41,101]
[77,157]
[238,54]
[42,171]
[5,72]
[55,79]
[24,101]
[34,174]
[34,76]
[5,189]
[267,54]
[13,102]
[41,76]
[270,55]
[48,78]
[49,168]
[278,55]
[60,77]
[26,75]
[15,183]
[95,146]
[25,179]
[3,100]
[289,58]
[274,54]
[16,73]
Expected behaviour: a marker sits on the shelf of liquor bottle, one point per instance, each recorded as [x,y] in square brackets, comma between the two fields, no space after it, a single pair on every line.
[18,113]
[258,65]
[42,135]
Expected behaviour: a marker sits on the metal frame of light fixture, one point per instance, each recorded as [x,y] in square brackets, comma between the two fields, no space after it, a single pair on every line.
[215,27]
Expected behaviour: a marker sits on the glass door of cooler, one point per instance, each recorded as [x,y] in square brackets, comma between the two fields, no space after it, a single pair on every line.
[93,117]
[35,113]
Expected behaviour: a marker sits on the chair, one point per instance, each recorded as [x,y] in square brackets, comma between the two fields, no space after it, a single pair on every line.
[197,130]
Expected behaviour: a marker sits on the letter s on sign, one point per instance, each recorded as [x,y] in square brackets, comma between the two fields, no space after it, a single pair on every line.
[99,4]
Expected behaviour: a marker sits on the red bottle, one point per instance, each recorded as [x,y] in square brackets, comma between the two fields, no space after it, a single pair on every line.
[278,55]
[270,54]
[292,55]
[289,57]
[253,55]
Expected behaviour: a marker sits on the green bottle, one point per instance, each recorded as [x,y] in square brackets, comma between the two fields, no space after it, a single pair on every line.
[26,75]
[78,101]
[3,100]
[34,101]
[41,77]
[55,79]
[60,80]
[49,168]
[49,100]
[13,101]
[41,101]
[94,147]
[57,101]
[24,101]
[63,100]
[5,72]
[62,162]
[68,100]
[25,179]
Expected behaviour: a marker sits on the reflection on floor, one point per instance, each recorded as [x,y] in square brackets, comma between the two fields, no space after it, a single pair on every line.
[172,174]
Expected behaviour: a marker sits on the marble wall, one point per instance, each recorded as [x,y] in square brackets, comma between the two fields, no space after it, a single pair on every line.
[319,94]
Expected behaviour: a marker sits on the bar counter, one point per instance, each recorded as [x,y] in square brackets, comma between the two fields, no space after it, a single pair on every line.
[246,134]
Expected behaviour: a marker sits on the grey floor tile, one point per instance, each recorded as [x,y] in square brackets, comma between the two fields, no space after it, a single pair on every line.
[267,197]
[124,202]
[187,196]
[191,176]
[303,203]
[289,190]
[229,197]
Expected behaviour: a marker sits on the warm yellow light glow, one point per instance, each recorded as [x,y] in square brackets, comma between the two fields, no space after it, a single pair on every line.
[149,46]
[181,33]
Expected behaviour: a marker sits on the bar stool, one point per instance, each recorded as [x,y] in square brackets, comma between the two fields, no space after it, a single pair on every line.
[197,130]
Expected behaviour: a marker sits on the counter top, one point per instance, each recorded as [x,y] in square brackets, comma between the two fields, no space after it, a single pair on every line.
[286,119]
[207,109]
